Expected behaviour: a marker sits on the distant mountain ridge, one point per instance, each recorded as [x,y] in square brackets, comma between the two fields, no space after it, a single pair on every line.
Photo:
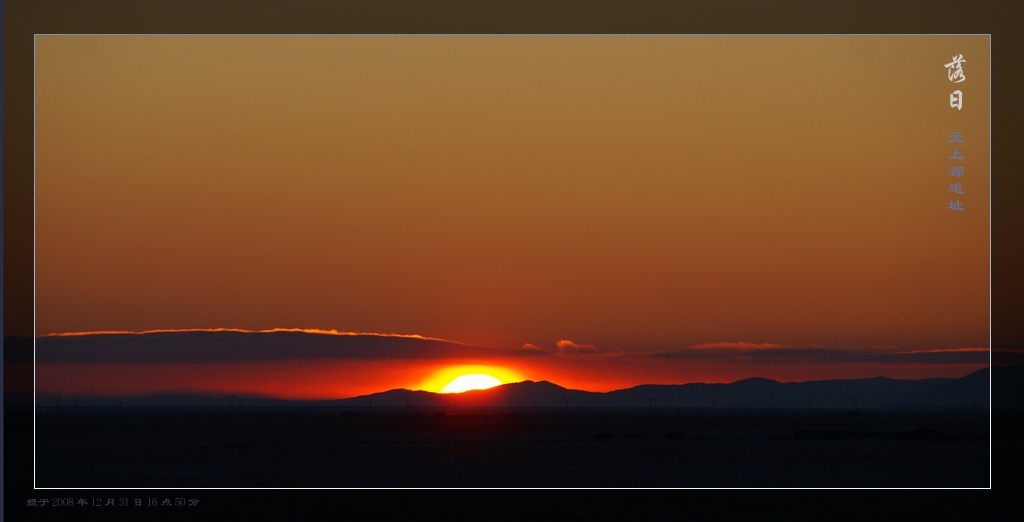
[971,391]
[968,392]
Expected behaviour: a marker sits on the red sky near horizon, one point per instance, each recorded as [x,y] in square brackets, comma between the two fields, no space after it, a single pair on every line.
[575,194]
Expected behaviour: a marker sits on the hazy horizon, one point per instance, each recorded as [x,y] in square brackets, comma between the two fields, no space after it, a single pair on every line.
[305,364]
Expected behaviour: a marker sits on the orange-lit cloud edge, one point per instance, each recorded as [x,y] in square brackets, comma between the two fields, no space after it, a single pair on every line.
[319,331]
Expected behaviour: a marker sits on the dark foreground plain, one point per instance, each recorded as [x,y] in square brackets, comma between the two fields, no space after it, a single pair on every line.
[316,448]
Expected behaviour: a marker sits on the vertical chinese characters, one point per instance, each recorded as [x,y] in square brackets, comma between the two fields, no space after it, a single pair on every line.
[955,74]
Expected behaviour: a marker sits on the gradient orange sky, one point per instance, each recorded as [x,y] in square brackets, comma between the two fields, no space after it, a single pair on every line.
[629,193]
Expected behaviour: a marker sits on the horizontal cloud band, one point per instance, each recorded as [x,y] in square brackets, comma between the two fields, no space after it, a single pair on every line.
[226,346]
[282,345]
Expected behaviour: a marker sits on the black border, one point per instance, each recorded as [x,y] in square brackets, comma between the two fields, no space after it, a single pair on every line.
[23,18]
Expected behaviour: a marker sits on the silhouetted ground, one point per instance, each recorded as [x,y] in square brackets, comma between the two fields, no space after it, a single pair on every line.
[554,448]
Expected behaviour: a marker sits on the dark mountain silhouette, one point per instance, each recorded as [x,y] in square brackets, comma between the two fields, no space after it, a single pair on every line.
[968,392]
[880,392]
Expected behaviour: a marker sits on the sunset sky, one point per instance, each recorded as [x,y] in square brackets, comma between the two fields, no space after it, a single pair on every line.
[599,211]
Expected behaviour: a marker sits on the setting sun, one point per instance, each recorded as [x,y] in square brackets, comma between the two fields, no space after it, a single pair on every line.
[462,377]
[473,381]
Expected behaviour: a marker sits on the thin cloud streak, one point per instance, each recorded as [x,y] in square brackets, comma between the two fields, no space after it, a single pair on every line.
[816,355]
[242,330]
[292,344]
[947,350]
[567,346]
[235,345]
[738,344]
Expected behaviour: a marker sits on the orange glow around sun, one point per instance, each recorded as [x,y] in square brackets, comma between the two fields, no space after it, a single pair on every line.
[472,376]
